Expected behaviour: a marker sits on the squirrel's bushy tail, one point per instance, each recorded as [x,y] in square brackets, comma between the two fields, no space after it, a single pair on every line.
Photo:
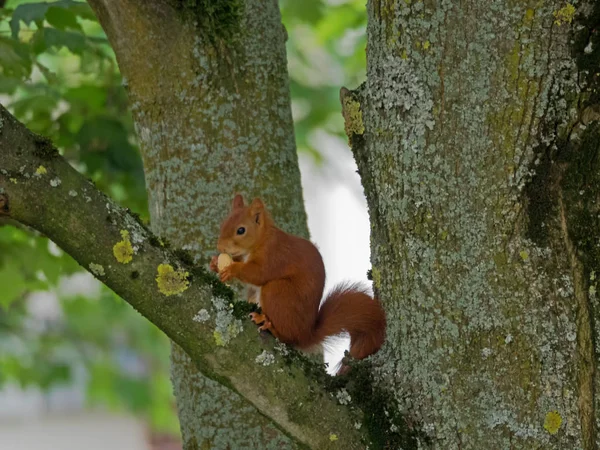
[349,308]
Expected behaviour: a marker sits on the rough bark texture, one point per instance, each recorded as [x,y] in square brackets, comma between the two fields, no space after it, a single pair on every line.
[477,140]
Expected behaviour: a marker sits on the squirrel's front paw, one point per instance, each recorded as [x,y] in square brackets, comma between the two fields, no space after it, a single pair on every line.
[257,318]
[227,273]
[214,264]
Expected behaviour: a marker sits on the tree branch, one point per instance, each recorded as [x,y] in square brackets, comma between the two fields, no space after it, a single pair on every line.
[38,188]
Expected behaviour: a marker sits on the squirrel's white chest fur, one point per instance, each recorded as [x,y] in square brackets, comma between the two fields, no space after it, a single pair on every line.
[253,292]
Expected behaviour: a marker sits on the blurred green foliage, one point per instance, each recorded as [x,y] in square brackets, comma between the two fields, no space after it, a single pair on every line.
[59,76]
[326,50]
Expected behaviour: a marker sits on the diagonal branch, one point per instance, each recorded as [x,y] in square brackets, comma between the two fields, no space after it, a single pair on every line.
[40,189]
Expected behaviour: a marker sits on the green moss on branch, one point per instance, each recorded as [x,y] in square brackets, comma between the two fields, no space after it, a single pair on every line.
[217,18]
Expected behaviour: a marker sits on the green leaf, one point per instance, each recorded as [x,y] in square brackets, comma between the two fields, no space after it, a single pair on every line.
[12,283]
[310,11]
[5,13]
[82,9]
[8,85]
[46,38]
[105,144]
[62,18]
[37,12]
[346,18]
[50,76]
[10,235]
[52,267]
[14,59]
[92,97]
[34,105]
[27,13]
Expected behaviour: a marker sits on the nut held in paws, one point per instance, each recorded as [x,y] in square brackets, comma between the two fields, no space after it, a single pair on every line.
[223,261]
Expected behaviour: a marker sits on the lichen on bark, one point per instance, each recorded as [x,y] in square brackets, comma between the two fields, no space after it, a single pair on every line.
[490,335]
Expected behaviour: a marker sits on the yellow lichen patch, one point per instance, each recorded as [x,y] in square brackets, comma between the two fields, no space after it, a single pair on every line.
[123,250]
[564,14]
[218,338]
[376,277]
[13,180]
[426,45]
[524,255]
[171,281]
[552,422]
[529,14]
[41,171]
[353,119]
[333,437]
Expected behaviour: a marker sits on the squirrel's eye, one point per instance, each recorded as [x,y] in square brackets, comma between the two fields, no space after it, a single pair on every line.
[241,230]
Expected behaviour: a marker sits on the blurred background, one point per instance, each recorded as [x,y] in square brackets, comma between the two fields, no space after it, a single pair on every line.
[75,360]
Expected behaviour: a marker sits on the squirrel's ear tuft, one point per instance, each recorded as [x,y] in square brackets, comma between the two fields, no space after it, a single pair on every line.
[238,202]
[256,209]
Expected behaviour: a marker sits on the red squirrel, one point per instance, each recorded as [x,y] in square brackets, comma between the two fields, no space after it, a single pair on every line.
[286,277]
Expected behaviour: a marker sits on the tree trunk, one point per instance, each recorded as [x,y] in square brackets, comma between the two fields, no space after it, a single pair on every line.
[208,87]
[477,140]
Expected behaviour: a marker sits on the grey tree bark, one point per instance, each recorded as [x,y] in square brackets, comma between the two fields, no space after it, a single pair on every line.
[477,140]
